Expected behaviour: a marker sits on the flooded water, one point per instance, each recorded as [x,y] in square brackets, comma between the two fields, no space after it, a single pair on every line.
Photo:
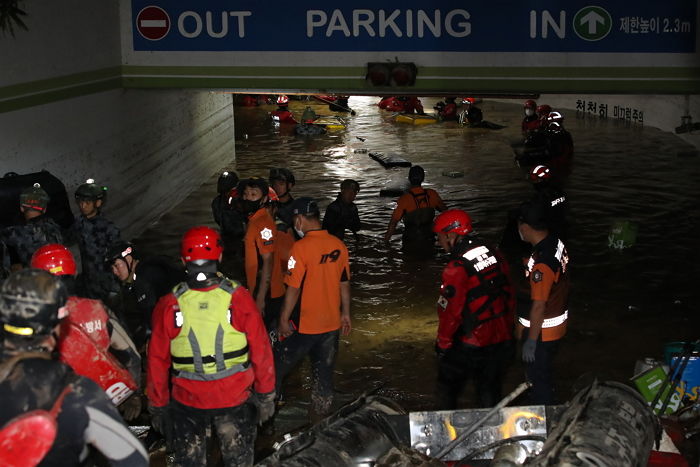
[624,304]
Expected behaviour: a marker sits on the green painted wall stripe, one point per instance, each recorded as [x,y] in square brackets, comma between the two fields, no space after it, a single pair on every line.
[492,86]
[50,84]
[580,72]
[474,80]
[59,94]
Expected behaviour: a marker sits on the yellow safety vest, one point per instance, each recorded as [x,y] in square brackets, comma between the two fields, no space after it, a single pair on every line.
[208,347]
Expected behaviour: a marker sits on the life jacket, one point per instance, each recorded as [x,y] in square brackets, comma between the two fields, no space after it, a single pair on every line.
[84,346]
[27,438]
[419,222]
[208,347]
[282,116]
[491,284]
[556,313]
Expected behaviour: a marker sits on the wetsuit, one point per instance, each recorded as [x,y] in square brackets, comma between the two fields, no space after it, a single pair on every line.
[94,237]
[473,115]
[340,216]
[557,206]
[227,216]
[475,312]
[23,240]
[87,417]
[417,209]
[547,271]
[317,265]
[153,278]
[447,110]
[208,395]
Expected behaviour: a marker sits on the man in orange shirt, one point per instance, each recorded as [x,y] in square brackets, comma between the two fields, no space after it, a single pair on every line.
[417,209]
[545,323]
[263,277]
[319,272]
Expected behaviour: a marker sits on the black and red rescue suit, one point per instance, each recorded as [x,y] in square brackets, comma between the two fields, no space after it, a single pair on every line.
[475,311]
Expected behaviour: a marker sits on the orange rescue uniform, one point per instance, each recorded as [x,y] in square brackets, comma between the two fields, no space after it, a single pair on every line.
[547,270]
[318,264]
[260,239]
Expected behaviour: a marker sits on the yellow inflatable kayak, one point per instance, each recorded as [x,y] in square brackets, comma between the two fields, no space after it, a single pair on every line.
[416,119]
[331,122]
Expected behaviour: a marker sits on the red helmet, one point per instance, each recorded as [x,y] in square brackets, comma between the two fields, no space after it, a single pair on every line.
[453,220]
[55,258]
[540,173]
[530,104]
[201,243]
[543,110]
[469,100]
[282,100]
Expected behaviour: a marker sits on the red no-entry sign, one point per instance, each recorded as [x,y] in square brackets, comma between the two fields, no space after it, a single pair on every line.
[153,23]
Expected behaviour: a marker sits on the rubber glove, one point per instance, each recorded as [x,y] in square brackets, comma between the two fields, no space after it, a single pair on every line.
[160,419]
[529,350]
[131,408]
[266,406]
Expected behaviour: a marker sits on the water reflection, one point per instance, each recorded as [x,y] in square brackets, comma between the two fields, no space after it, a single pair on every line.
[624,305]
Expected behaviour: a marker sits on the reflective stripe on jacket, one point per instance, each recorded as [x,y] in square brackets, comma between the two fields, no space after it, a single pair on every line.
[208,347]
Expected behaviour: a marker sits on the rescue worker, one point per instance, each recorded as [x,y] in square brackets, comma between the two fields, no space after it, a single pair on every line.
[342,213]
[306,127]
[447,110]
[32,303]
[259,241]
[543,325]
[417,209]
[559,143]
[143,282]
[318,274]
[542,111]
[475,311]
[340,104]
[209,360]
[224,206]
[472,115]
[94,234]
[412,104]
[531,121]
[282,181]
[105,331]
[38,228]
[553,197]
[282,113]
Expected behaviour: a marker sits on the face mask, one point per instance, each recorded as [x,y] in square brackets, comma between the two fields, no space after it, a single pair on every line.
[529,112]
[520,234]
[299,232]
[250,206]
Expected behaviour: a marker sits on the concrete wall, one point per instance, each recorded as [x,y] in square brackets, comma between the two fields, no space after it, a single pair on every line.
[151,148]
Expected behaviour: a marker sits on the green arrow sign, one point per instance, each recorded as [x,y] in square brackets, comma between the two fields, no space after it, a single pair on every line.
[592,23]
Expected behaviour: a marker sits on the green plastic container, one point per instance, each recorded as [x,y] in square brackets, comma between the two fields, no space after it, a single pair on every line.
[648,384]
[623,234]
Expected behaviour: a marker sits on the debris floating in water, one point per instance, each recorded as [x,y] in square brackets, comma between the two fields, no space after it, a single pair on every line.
[361,138]
[453,173]
[361,151]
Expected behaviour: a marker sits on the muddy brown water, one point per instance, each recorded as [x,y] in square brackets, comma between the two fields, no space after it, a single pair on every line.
[624,304]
